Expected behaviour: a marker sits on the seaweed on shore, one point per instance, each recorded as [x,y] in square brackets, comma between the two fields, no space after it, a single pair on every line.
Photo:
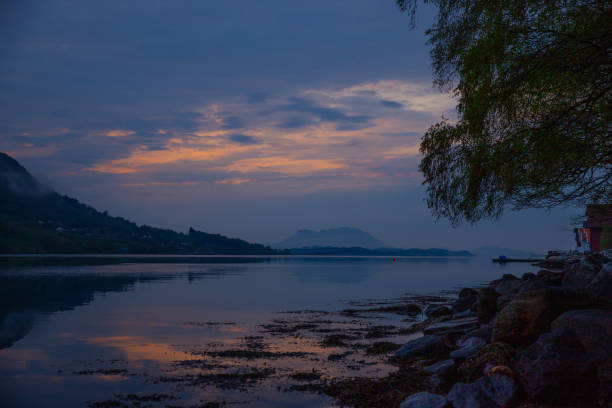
[237,380]
[389,391]
[253,354]
[306,375]
[382,347]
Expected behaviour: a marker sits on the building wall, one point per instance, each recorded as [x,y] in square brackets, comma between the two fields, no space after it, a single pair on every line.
[596,239]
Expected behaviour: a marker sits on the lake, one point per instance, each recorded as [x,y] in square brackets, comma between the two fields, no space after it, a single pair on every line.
[207,331]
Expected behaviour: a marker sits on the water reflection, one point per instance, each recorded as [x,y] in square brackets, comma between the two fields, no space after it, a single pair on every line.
[27,295]
[79,330]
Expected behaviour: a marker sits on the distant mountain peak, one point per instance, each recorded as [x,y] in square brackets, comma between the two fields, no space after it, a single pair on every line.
[337,237]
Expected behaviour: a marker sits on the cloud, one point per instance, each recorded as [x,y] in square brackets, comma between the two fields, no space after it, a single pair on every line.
[413,96]
[295,122]
[233,122]
[306,140]
[322,113]
[119,133]
[257,97]
[391,104]
[243,139]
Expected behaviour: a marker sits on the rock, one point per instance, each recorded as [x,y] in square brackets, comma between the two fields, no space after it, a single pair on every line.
[413,309]
[522,320]
[495,391]
[564,299]
[445,368]
[424,400]
[506,285]
[494,354]
[484,332]
[467,298]
[579,275]
[500,388]
[465,292]
[500,369]
[452,325]
[600,288]
[470,347]
[486,304]
[467,395]
[530,313]
[531,285]
[594,331]
[528,276]
[550,278]
[503,300]
[426,346]
[438,384]
[557,370]
[437,311]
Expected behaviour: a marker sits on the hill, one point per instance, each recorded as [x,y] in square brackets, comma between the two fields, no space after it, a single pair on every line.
[34,219]
[337,237]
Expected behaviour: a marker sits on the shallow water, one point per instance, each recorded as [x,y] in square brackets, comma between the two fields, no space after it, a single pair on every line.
[74,334]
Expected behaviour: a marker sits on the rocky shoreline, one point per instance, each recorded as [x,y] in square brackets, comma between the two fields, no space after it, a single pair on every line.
[540,340]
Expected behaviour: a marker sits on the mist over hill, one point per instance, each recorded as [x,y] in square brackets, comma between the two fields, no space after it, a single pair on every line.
[35,219]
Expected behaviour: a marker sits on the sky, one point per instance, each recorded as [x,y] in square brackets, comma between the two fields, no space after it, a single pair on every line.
[249,119]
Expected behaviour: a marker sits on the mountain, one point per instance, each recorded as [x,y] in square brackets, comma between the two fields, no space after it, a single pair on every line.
[34,219]
[377,252]
[494,252]
[337,237]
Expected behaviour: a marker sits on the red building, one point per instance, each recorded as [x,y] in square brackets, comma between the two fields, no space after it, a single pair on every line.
[598,217]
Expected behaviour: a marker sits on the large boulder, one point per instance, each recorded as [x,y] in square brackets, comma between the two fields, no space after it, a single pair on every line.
[496,391]
[452,326]
[557,370]
[522,320]
[600,288]
[484,332]
[424,400]
[579,275]
[445,368]
[564,299]
[528,276]
[427,346]
[434,311]
[486,304]
[468,348]
[508,284]
[491,355]
[531,285]
[594,331]
[551,278]
[530,313]
[467,298]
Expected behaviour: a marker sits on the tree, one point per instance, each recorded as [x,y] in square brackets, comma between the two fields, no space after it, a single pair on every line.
[533,81]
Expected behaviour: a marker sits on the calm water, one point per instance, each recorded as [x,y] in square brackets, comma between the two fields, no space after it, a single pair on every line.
[73,334]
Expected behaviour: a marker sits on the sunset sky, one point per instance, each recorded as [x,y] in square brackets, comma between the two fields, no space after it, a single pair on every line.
[250,119]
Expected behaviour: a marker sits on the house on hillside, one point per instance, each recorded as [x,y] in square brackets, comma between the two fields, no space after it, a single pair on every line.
[599,217]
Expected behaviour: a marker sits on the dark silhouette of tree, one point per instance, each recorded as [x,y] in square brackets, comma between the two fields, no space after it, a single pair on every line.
[534,86]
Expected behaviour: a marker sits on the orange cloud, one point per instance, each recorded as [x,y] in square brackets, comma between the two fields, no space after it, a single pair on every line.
[141,159]
[119,133]
[283,165]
